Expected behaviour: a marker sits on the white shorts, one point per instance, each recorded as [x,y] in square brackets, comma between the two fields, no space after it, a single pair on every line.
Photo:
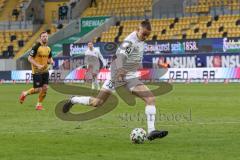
[93,69]
[130,84]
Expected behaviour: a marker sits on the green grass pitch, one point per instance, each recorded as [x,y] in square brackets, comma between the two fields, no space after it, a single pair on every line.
[203,123]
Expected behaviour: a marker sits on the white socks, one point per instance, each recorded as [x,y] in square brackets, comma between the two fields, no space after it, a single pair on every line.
[81,100]
[150,112]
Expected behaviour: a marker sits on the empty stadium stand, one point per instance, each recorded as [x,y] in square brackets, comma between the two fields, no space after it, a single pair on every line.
[196,27]
[19,7]
[119,8]
[7,7]
[204,6]
[12,40]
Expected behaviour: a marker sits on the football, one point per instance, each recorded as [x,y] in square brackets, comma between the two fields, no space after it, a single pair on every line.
[138,135]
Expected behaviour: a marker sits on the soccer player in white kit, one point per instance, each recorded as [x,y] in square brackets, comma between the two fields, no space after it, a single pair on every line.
[92,56]
[123,73]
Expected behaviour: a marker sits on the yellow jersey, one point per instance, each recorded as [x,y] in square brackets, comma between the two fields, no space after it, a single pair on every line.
[41,54]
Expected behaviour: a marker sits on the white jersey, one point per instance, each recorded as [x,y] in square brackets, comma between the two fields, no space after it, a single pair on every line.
[131,51]
[92,57]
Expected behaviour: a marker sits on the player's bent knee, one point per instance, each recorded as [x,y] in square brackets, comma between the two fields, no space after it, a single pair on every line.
[45,88]
[39,89]
[36,90]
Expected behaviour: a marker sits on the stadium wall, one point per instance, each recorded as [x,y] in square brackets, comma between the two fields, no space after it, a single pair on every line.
[6,25]
[7,64]
[23,64]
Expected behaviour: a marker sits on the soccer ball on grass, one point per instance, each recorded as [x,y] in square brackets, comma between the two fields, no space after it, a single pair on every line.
[138,135]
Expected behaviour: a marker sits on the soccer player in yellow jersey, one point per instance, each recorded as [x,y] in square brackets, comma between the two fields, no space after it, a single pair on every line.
[40,57]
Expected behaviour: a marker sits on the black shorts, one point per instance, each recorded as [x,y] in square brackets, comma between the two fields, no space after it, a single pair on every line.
[40,79]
